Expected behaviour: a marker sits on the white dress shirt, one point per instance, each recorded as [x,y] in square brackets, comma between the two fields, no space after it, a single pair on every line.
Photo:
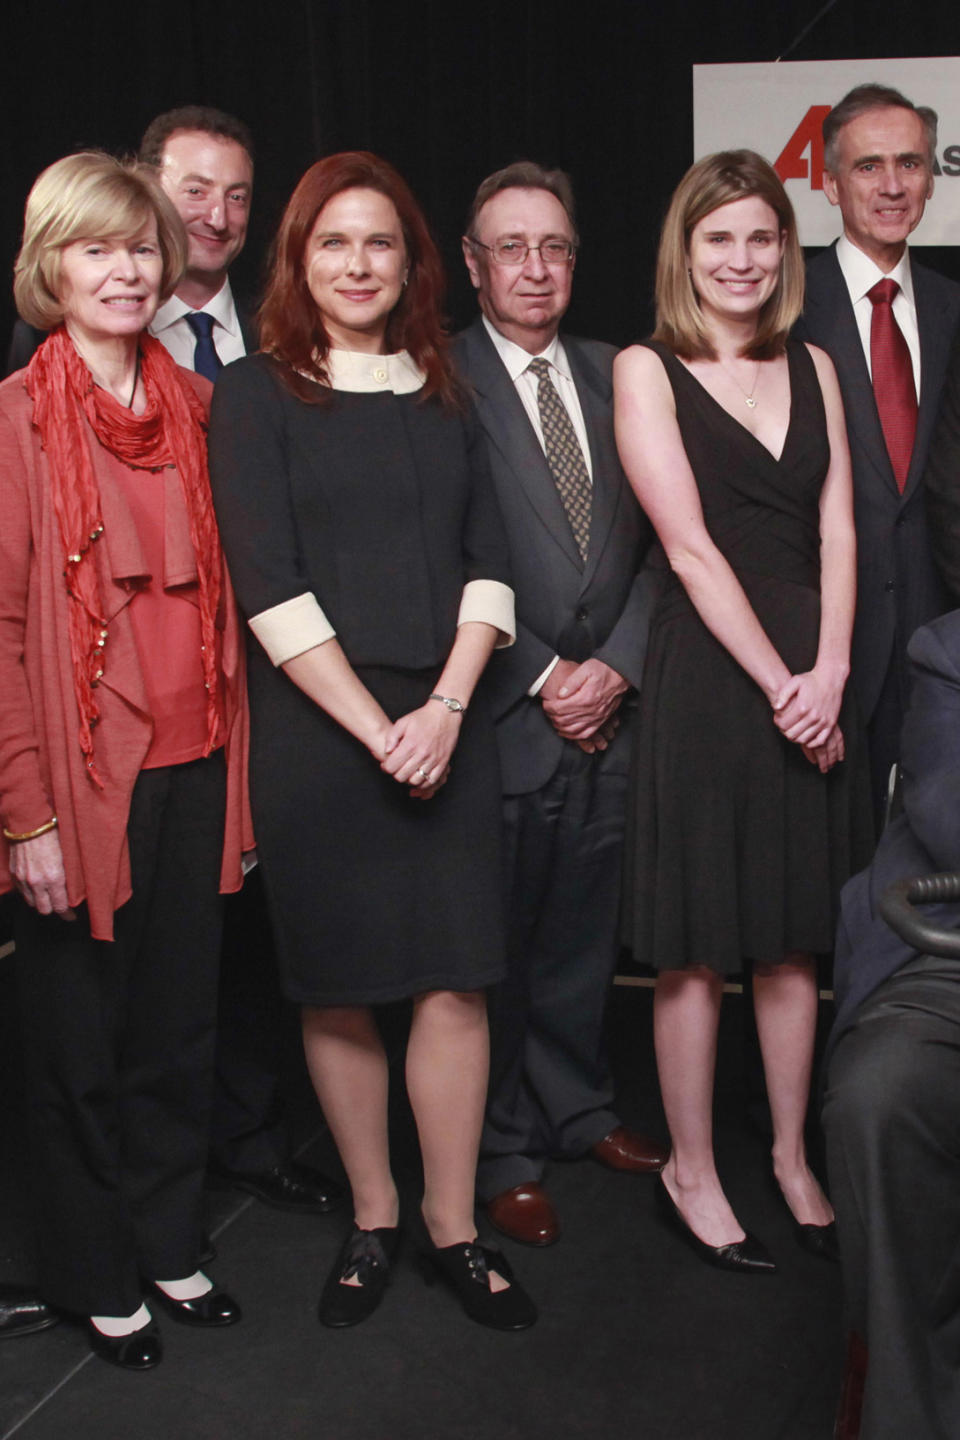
[517,361]
[171,329]
[861,274]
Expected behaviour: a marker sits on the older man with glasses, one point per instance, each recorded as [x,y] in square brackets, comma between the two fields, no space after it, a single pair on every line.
[560,695]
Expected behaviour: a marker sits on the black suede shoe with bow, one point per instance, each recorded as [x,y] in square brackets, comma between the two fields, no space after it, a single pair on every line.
[466,1270]
[365,1256]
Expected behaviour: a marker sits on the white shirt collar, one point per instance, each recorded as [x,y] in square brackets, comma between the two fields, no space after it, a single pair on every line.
[861,273]
[517,359]
[221,307]
[367,374]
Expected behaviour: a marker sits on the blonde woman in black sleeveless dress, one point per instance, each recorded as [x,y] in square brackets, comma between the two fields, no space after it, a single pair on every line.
[749,808]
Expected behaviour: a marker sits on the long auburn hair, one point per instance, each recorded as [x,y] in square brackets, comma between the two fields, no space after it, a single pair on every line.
[291,327]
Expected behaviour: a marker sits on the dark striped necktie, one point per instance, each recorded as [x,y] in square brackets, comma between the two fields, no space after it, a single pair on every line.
[564,455]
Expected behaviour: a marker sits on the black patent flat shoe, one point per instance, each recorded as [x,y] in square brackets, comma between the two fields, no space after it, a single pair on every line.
[139,1351]
[465,1268]
[213,1310]
[748,1255]
[365,1255]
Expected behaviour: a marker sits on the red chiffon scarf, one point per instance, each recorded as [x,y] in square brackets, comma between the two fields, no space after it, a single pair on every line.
[170,432]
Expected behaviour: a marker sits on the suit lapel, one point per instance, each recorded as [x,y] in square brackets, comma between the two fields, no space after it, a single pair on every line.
[248,328]
[596,401]
[505,421]
[935,340]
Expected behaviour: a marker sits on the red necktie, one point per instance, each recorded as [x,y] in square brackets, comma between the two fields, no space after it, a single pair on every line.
[893,385]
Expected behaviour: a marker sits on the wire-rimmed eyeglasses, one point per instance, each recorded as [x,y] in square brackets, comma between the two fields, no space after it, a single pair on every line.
[515,252]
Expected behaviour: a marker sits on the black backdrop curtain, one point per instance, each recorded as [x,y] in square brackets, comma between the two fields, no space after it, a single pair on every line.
[447,92]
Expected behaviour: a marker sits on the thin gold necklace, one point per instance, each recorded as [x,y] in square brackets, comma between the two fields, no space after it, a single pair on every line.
[749,397]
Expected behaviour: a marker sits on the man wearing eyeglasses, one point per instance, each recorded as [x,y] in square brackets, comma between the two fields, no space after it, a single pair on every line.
[560,695]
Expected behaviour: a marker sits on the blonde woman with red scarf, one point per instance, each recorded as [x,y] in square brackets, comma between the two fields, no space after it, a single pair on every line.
[122,756]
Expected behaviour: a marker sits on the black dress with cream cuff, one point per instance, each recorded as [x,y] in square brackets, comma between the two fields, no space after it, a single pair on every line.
[370,516]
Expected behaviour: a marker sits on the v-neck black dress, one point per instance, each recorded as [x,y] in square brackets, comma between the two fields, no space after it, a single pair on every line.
[739,846]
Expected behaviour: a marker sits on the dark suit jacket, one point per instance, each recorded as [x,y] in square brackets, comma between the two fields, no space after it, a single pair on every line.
[898,587]
[564,606]
[26,338]
[924,839]
[942,481]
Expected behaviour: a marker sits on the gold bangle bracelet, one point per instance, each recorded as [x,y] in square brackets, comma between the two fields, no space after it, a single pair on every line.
[30,834]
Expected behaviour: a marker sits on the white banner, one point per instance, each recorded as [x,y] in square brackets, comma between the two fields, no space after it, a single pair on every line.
[778,110]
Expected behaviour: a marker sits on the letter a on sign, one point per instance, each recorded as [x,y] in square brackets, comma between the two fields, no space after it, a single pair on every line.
[790,164]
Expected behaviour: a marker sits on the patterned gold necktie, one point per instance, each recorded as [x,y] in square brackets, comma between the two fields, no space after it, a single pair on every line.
[564,455]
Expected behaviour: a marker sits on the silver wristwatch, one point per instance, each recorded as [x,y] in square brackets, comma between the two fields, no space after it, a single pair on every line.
[454,705]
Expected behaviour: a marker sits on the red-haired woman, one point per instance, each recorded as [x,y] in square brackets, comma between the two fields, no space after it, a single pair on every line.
[368,555]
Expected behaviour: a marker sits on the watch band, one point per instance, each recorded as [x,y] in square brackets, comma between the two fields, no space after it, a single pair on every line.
[455,706]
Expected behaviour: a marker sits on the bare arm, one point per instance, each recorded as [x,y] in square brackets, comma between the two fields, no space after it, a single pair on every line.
[657,467]
[809,706]
[325,674]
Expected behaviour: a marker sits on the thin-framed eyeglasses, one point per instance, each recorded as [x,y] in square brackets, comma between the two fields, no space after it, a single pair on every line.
[515,252]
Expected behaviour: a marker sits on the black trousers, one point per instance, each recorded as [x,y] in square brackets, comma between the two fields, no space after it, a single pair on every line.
[551,1091]
[118,1046]
[892,1122]
[254,1031]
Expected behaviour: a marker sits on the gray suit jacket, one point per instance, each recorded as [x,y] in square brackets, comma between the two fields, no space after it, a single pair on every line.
[564,606]
[898,587]
[923,840]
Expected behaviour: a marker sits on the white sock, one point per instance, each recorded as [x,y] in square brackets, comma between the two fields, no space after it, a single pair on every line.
[191,1288]
[117,1325]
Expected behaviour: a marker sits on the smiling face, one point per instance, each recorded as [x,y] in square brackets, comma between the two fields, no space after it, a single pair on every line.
[110,287]
[355,265]
[734,257]
[524,302]
[209,179]
[882,181]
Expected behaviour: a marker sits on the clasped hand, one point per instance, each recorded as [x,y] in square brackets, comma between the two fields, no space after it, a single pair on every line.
[805,710]
[806,707]
[581,702]
[417,748]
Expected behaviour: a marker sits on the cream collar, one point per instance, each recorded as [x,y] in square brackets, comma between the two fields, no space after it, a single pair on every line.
[367,374]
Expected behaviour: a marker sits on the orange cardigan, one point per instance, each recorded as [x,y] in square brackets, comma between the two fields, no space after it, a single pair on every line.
[42,770]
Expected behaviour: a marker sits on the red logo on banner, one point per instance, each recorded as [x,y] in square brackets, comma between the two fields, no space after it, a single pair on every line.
[790,163]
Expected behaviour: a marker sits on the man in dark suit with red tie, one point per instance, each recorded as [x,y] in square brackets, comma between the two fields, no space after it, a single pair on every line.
[887,324]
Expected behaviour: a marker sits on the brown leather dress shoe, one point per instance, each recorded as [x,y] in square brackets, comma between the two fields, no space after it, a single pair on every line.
[525,1213]
[624,1149]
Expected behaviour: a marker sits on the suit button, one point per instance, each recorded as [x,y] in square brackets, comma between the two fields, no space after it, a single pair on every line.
[582,612]
[889,585]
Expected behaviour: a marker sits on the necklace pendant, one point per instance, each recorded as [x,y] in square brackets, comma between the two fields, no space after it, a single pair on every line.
[750,401]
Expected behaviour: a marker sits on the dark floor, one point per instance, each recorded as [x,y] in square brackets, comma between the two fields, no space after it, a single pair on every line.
[637,1340]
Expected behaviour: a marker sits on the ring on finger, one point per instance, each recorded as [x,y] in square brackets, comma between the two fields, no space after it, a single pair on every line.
[423,772]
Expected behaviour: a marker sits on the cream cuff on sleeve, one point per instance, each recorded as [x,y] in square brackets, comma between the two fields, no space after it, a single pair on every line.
[289,629]
[491,602]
